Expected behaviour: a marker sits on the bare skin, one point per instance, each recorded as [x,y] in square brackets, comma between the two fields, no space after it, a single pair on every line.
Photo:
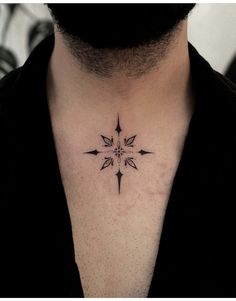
[116,236]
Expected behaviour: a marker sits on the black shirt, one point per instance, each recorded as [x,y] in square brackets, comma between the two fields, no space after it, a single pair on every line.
[196,255]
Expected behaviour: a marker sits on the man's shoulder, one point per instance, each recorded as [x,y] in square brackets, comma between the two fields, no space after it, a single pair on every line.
[226,106]
[25,80]
[8,88]
[225,92]
[227,83]
[8,81]
[216,90]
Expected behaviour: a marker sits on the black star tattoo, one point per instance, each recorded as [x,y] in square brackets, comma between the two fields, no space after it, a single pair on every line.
[119,151]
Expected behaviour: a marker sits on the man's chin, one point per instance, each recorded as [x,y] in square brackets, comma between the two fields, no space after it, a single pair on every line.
[118,25]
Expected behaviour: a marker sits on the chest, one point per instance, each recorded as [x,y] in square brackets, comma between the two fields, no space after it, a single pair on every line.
[116,235]
[117,192]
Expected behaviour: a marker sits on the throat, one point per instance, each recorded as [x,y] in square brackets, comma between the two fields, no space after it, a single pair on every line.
[125,76]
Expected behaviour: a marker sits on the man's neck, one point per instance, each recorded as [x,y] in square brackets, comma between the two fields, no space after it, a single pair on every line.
[158,97]
[170,78]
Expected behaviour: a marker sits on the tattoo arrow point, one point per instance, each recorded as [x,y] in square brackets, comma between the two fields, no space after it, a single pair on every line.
[118,128]
[119,176]
[143,152]
[94,152]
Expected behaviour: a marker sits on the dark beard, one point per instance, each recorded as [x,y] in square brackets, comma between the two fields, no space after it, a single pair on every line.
[129,39]
[118,25]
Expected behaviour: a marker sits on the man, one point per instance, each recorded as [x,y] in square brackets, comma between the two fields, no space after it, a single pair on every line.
[117,161]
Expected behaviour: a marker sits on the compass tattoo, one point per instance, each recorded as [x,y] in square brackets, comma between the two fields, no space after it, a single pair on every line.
[118,152]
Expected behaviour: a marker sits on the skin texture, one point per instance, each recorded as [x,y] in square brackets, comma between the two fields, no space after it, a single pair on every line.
[116,236]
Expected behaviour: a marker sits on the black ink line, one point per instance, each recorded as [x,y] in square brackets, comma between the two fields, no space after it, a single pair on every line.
[130,161]
[118,128]
[108,162]
[94,152]
[129,142]
[108,141]
[119,176]
[143,152]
